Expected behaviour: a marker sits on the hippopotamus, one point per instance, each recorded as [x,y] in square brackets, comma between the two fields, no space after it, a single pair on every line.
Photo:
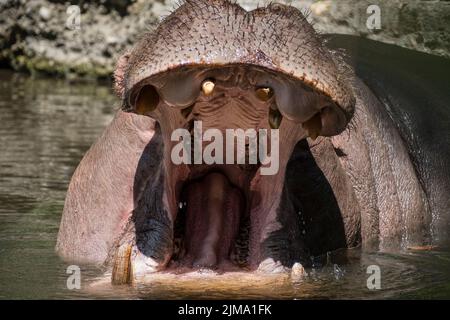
[363,157]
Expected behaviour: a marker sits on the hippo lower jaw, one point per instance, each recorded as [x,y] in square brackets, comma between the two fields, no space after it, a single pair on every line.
[219,223]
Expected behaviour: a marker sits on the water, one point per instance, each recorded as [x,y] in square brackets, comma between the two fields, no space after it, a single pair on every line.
[46,125]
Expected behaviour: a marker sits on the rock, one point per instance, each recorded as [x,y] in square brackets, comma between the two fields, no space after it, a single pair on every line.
[415,24]
[33,36]
[45,13]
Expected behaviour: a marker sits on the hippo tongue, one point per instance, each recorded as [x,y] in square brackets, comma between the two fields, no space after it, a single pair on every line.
[214,207]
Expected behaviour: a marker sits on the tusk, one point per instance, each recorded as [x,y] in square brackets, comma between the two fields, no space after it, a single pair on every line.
[264,94]
[208,87]
[313,126]
[122,270]
[275,118]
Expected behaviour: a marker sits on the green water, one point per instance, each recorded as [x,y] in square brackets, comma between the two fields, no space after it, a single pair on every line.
[46,126]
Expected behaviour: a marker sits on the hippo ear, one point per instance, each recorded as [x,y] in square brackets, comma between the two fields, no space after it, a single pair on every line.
[119,75]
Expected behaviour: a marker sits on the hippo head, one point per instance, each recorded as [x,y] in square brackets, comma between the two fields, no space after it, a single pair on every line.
[211,63]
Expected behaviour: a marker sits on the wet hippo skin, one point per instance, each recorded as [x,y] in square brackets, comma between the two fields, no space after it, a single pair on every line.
[360,160]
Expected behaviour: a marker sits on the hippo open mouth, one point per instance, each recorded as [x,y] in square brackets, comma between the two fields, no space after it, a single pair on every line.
[216,214]
[212,224]
[263,75]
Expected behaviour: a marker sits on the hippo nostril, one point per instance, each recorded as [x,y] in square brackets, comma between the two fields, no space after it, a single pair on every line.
[264,93]
[147,100]
[275,118]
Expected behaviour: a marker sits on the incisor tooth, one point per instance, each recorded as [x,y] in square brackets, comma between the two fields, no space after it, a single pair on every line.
[208,87]
[313,126]
[122,270]
[264,94]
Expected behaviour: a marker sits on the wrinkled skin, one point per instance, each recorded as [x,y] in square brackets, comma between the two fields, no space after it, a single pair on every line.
[356,184]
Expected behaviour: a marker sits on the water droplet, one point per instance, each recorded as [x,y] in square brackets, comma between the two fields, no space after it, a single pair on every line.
[338,272]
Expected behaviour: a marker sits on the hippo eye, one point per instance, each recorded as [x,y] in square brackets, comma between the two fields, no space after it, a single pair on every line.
[208,87]
[147,100]
[264,93]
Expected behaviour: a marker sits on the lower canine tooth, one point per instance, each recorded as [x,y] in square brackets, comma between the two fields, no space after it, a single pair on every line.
[122,270]
[275,118]
[313,126]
